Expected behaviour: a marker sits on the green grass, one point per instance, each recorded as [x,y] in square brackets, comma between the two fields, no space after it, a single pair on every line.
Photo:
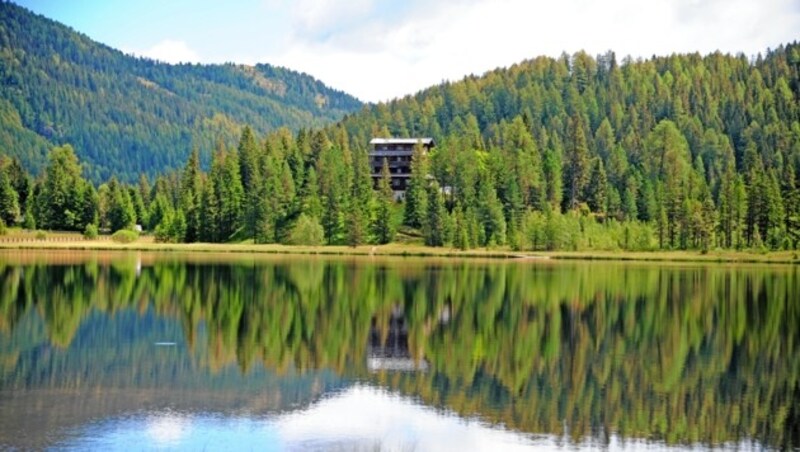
[75,241]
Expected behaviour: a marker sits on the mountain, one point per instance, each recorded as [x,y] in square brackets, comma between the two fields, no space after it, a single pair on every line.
[125,115]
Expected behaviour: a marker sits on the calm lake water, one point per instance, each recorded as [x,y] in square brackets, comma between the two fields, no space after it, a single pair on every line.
[169,351]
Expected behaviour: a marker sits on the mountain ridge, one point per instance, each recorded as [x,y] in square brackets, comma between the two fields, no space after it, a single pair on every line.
[125,114]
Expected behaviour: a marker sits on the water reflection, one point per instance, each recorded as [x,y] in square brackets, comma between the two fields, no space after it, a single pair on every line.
[572,353]
[388,350]
[359,418]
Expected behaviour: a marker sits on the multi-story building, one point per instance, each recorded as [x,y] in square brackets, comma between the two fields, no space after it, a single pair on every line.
[397,152]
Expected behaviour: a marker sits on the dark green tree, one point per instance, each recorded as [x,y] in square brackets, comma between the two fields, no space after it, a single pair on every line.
[434,227]
[415,208]
[384,226]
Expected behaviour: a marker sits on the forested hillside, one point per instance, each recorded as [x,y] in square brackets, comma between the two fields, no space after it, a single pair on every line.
[700,147]
[125,115]
[575,153]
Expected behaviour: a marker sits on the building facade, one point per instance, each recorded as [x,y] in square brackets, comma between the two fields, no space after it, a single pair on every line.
[397,152]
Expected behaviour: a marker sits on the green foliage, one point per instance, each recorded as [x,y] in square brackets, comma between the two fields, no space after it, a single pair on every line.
[65,198]
[306,231]
[3,227]
[120,212]
[385,227]
[573,153]
[125,236]
[29,222]
[41,235]
[416,197]
[90,232]
[434,228]
[9,199]
[145,115]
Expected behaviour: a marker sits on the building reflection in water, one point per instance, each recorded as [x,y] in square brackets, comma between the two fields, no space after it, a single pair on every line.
[389,350]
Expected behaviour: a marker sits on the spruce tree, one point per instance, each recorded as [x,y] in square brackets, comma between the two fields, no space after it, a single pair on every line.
[416,193]
[190,196]
[9,200]
[384,223]
[577,173]
[597,191]
[209,213]
[434,227]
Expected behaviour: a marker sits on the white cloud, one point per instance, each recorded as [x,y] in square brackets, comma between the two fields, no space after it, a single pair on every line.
[379,55]
[171,51]
[364,418]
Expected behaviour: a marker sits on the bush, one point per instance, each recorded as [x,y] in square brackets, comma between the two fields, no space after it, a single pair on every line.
[90,233]
[41,235]
[3,229]
[125,236]
[306,231]
[29,222]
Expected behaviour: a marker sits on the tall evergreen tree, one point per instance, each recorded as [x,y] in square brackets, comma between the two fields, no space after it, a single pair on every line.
[416,193]
[384,223]
[210,213]
[597,190]
[577,171]
[61,201]
[434,227]
[190,196]
[9,200]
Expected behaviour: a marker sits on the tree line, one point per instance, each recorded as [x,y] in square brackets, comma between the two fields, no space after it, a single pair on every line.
[679,152]
[311,189]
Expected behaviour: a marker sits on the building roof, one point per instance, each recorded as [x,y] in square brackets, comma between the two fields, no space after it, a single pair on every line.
[426,141]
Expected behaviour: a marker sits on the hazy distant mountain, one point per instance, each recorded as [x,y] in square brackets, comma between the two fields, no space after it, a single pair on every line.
[125,115]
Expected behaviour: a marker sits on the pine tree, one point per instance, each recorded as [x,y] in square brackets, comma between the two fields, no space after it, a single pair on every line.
[20,182]
[416,193]
[434,227]
[490,212]
[230,193]
[209,213]
[791,197]
[739,212]
[248,159]
[60,207]
[461,232]
[311,204]
[775,213]
[577,173]
[190,196]
[121,213]
[553,177]
[9,200]
[597,190]
[630,210]
[361,195]
[145,190]
[384,223]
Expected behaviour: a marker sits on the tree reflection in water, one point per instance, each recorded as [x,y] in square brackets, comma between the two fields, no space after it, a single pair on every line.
[683,354]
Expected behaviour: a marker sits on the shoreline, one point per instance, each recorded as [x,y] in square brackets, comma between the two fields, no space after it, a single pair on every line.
[404,250]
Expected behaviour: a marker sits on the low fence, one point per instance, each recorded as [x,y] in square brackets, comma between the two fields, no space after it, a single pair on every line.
[32,237]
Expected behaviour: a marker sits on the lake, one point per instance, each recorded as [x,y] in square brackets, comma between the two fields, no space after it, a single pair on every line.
[103,350]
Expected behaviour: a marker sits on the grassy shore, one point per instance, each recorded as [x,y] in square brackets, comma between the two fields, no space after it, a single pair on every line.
[67,241]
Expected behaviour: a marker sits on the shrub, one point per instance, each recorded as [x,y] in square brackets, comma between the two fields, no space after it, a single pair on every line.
[307,231]
[90,233]
[125,236]
[41,235]
[29,222]
[3,229]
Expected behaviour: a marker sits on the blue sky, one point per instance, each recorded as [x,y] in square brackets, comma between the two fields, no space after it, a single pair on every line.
[378,50]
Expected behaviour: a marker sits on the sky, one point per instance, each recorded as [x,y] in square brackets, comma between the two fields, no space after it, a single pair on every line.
[380,50]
